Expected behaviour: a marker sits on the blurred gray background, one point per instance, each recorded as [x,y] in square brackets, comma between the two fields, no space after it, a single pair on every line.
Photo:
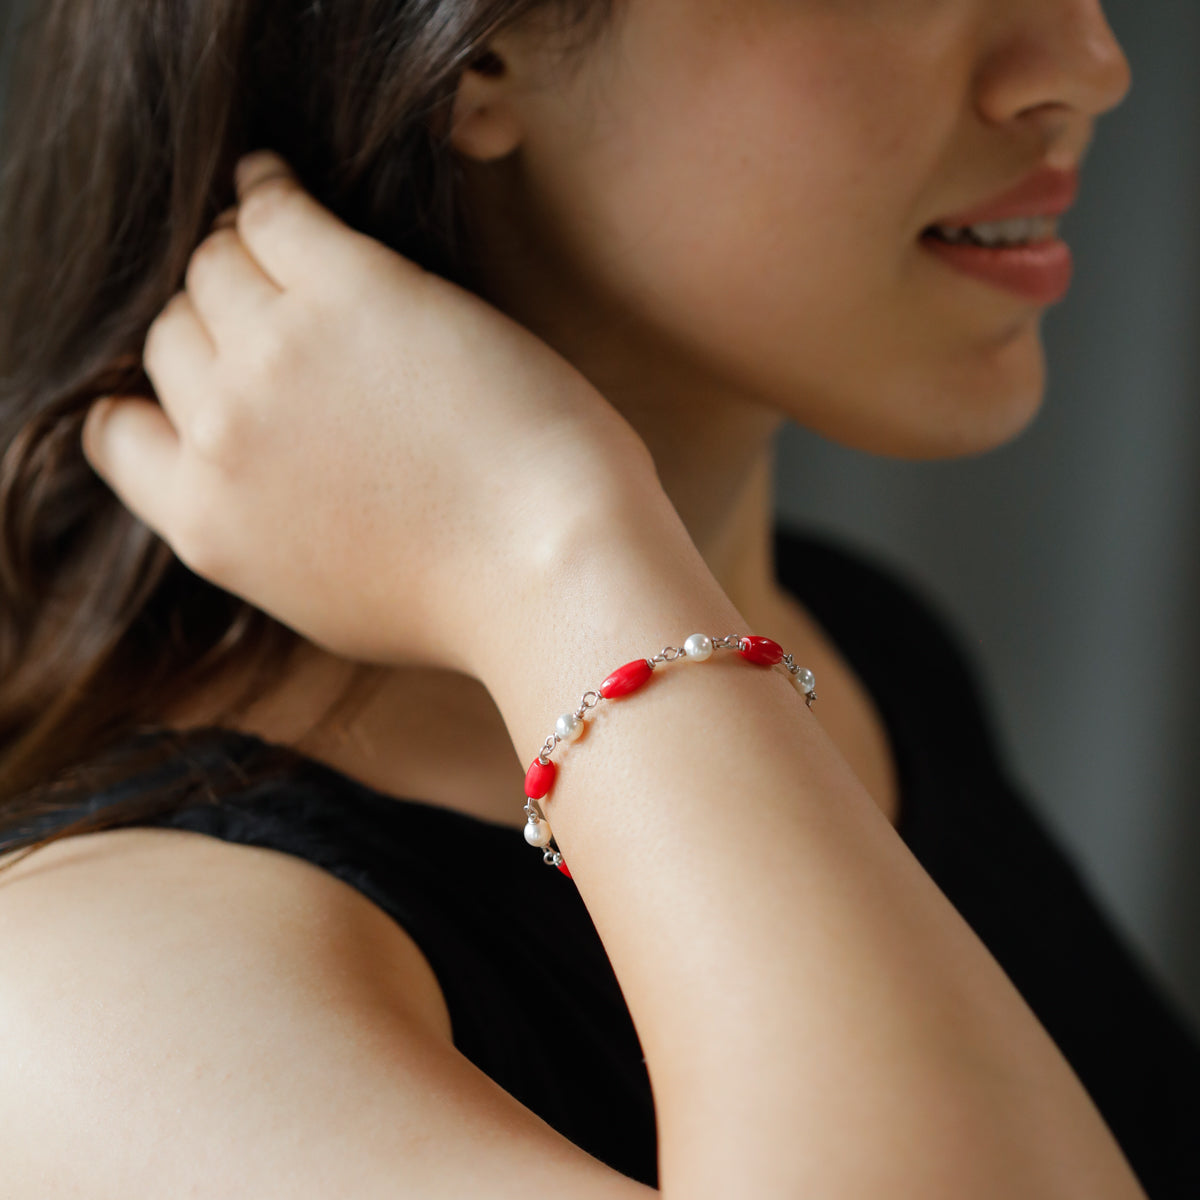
[1069,560]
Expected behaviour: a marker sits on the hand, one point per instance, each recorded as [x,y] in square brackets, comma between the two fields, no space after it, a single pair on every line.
[369,453]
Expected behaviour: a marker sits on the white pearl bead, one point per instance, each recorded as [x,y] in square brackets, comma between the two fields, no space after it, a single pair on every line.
[698,647]
[568,727]
[537,833]
[805,681]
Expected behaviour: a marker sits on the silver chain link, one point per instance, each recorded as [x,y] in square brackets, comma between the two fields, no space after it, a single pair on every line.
[731,641]
[591,698]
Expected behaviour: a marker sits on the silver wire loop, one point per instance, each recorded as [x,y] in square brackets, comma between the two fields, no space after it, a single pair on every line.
[592,697]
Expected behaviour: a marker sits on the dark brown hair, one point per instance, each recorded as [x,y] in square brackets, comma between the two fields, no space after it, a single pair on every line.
[121,128]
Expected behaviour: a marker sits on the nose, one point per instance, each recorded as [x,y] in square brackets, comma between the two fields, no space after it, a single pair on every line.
[1052,55]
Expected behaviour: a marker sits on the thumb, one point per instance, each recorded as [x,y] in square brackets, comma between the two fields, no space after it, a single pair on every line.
[131,444]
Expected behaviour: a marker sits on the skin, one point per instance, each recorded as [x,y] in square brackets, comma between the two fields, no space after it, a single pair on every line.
[715,215]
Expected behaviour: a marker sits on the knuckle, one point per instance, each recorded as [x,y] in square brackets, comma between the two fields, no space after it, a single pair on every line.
[196,546]
[266,200]
[150,341]
[161,324]
[212,432]
[207,256]
[266,357]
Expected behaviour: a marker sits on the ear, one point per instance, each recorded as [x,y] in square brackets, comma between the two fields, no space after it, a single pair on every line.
[485,122]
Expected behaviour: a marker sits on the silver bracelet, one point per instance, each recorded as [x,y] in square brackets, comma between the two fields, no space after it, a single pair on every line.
[625,680]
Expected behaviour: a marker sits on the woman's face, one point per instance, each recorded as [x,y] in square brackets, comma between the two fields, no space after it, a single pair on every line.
[733,193]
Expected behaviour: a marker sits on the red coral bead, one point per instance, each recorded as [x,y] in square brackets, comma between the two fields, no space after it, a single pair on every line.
[760,650]
[626,679]
[562,866]
[539,779]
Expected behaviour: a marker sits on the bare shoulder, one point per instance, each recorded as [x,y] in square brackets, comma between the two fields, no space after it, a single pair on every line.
[185,1015]
[186,892]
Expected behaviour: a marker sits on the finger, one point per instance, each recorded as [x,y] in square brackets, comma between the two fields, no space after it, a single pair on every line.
[179,358]
[132,446]
[293,238]
[228,289]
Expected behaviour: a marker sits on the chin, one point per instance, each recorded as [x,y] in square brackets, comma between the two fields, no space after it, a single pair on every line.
[1000,393]
[961,409]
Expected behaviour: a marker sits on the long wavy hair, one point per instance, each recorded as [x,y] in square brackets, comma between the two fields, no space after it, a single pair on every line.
[121,126]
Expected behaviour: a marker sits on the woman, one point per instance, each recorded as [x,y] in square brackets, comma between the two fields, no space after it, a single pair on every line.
[466,391]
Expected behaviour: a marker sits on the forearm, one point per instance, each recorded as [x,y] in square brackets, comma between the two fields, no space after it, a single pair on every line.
[817,1018]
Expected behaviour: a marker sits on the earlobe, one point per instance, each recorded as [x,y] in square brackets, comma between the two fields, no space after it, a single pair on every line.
[483,123]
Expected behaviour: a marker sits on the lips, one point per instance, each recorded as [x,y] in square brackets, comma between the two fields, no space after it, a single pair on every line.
[1047,192]
[1038,271]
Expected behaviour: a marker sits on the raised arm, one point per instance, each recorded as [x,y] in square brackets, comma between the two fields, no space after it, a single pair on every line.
[818,1019]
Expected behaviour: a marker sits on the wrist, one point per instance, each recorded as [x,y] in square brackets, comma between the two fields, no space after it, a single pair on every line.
[621,581]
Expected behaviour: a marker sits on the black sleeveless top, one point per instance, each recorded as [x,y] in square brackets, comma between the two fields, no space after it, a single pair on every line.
[532,996]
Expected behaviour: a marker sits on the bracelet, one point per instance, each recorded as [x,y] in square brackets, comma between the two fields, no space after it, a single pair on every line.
[539,779]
